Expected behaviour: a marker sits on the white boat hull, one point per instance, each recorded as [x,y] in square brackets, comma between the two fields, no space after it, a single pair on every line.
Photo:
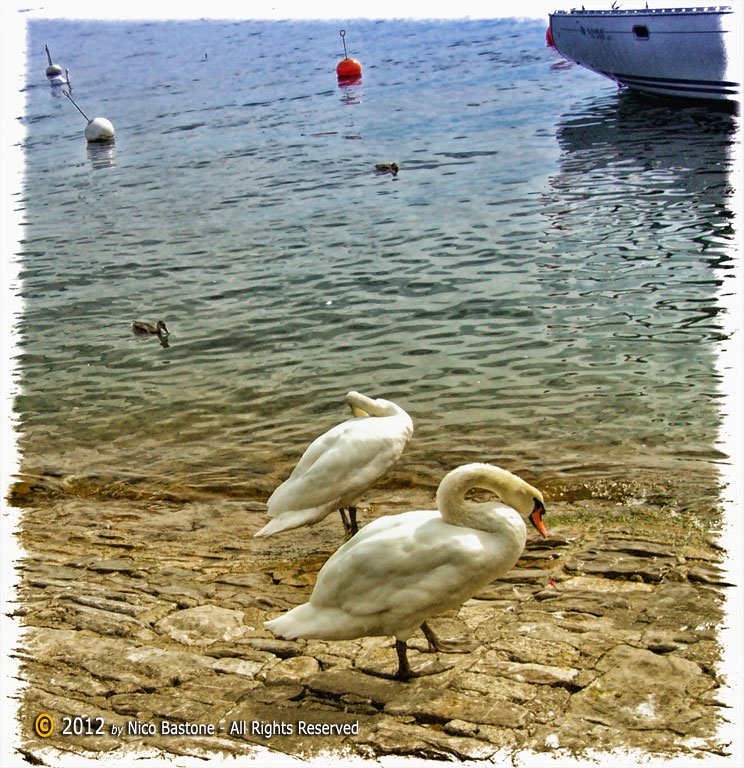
[681,52]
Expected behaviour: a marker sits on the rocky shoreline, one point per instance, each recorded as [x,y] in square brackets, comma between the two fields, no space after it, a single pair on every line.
[604,637]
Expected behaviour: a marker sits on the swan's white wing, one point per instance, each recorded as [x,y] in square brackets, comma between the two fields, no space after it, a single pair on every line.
[341,464]
[401,569]
[321,445]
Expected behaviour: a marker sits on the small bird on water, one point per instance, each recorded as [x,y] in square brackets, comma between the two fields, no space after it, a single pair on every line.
[387,168]
[161,329]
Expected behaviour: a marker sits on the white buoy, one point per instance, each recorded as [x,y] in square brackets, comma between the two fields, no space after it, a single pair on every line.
[61,79]
[53,70]
[97,129]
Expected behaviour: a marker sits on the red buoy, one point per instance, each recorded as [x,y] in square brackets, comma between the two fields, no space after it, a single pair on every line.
[347,67]
[549,38]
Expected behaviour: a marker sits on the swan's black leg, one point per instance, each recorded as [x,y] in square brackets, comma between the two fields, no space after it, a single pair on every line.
[350,522]
[405,672]
[345,521]
[404,668]
[446,646]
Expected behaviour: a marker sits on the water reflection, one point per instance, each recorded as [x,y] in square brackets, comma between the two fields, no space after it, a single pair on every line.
[351,90]
[351,93]
[654,178]
[345,83]
[687,147]
[101,155]
[638,235]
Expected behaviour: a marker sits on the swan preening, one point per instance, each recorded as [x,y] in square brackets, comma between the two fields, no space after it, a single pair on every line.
[340,465]
[400,570]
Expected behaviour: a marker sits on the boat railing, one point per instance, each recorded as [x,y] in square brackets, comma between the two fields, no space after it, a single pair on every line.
[644,11]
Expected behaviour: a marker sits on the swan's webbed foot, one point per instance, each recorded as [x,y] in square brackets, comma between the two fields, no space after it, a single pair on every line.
[406,672]
[446,646]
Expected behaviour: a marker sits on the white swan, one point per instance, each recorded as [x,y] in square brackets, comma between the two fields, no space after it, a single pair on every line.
[402,569]
[340,465]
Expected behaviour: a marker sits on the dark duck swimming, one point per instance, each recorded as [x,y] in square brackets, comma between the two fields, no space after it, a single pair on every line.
[159,328]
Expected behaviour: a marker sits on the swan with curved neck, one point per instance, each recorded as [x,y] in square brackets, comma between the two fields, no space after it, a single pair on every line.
[416,565]
[340,465]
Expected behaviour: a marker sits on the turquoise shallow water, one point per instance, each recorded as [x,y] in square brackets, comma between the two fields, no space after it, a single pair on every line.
[538,287]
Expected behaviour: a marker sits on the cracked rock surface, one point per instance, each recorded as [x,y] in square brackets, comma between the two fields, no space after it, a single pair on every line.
[602,637]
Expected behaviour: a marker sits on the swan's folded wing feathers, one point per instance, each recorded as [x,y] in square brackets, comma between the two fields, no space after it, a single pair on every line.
[387,574]
[320,445]
[339,466]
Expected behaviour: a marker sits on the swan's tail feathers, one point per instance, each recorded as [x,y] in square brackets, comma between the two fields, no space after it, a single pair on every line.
[273,526]
[285,521]
[322,623]
[290,625]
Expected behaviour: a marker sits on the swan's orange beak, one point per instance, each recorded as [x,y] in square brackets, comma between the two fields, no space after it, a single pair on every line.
[536,518]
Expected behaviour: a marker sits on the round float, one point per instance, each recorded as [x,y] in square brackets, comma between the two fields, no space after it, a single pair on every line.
[347,68]
[99,129]
[53,70]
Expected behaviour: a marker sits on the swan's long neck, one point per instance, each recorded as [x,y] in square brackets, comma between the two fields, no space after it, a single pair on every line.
[361,405]
[457,510]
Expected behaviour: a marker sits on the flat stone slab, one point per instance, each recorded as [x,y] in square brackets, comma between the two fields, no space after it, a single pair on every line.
[292,670]
[203,625]
[581,601]
[525,576]
[709,573]
[538,674]
[390,737]
[638,689]
[443,705]
[117,565]
[620,566]
[338,683]
[639,548]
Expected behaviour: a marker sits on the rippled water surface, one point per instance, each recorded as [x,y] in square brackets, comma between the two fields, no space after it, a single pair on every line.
[538,287]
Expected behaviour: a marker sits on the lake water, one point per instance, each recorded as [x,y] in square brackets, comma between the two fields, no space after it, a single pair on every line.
[538,287]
